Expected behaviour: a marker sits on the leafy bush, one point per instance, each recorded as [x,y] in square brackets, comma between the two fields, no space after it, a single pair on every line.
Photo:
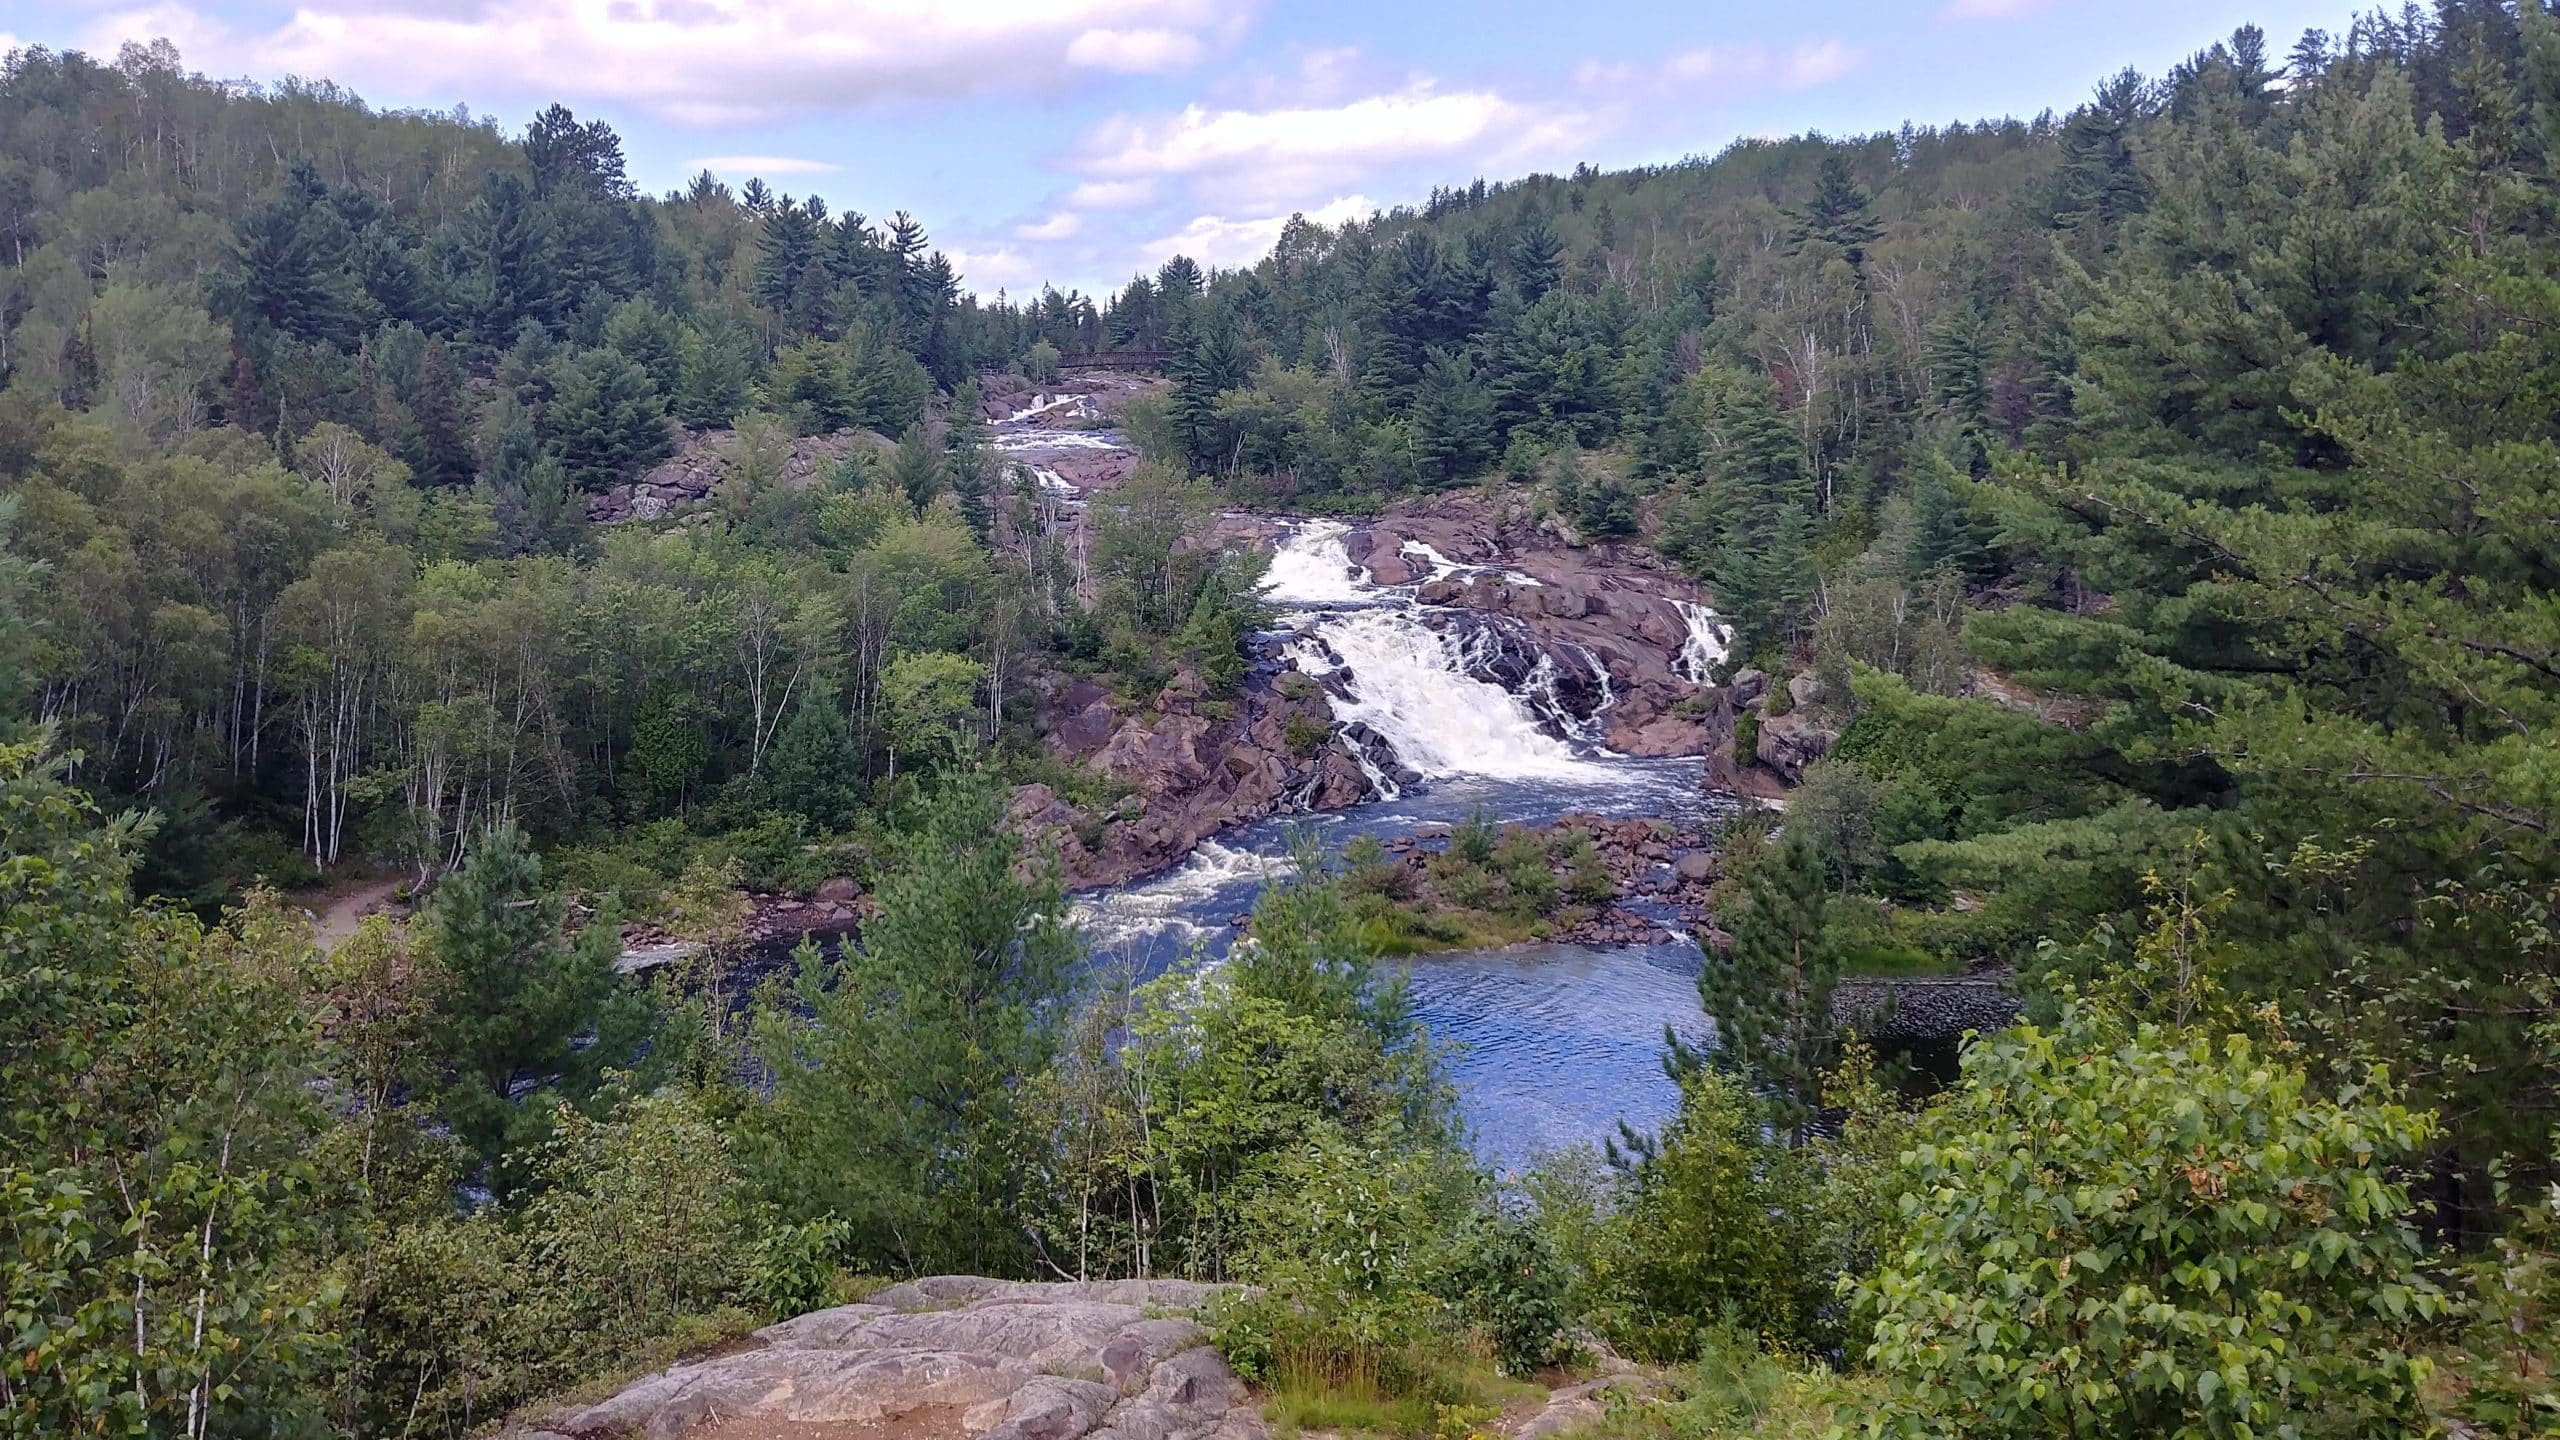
[1505,1283]
[795,1267]
[2125,1232]
[1722,1230]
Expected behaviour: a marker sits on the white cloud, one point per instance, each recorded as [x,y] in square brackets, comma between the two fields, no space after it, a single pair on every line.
[1057,227]
[1219,242]
[698,61]
[1136,52]
[1810,65]
[1989,9]
[762,165]
[1736,69]
[1000,268]
[1303,149]
[1111,194]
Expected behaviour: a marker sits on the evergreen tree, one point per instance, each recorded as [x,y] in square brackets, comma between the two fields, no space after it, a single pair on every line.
[970,464]
[648,337]
[606,423]
[815,770]
[291,276]
[1839,212]
[1770,996]
[711,375]
[918,467]
[443,451]
[495,268]
[1535,258]
[1453,417]
[903,1103]
[520,1014]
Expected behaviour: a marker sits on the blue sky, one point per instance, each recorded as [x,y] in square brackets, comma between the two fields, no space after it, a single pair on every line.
[1075,141]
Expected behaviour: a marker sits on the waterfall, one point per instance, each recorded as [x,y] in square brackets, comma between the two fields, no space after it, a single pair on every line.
[1312,568]
[1704,650]
[1413,687]
[1409,684]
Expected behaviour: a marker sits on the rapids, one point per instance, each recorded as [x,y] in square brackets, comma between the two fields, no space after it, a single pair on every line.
[1452,716]
[1550,1044]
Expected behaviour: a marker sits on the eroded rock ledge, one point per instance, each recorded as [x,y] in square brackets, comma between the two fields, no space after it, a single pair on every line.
[953,1358]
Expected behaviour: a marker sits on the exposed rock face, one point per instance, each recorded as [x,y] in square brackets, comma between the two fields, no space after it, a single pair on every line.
[1190,765]
[954,1357]
[1608,620]
[1790,742]
[693,473]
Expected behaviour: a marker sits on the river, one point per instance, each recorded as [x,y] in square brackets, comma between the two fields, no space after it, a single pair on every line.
[1549,1045]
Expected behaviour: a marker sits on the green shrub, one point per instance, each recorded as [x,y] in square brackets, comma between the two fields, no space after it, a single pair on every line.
[795,1268]
[1722,1230]
[2508,1364]
[2116,1231]
[1505,1283]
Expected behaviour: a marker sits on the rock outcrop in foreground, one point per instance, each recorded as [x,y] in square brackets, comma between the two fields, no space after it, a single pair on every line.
[953,1358]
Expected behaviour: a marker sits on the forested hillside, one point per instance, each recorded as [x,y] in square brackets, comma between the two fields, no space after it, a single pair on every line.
[2213,416]
[2139,531]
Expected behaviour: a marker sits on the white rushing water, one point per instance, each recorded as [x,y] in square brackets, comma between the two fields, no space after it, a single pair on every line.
[1410,684]
[1312,567]
[1704,650]
[1168,904]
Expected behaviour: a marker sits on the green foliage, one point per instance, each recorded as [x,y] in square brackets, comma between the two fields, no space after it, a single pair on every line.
[816,769]
[795,1266]
[155,1120]
[2504,1366]
[1504,1282]
[1770,994]
[522,1014]
[1721,1230]
[606,422]
[2139,1233]
[899,1100]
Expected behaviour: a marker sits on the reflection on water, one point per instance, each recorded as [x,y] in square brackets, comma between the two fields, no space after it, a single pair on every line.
[1559,1042]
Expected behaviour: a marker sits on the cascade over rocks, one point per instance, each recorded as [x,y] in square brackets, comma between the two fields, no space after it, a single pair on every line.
[948,1358]
[1597,645]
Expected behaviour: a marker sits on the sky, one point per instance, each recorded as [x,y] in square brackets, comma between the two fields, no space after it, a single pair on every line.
[1074,142]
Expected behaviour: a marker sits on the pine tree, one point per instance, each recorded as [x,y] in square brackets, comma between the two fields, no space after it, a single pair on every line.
[711,374]
[1453,417]
[1770,996]
[518,1014]
[606,423]
[815,770]
[1535,252]
[444,442]
[917,467]
[903,1103]
[1839,212]
[971,466]
[785,246]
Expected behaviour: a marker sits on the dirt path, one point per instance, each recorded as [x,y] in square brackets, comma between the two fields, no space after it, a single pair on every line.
[340,914]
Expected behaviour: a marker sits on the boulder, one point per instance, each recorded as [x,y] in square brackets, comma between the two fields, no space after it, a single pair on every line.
[1790,742]
[839,891]
[1698,867]
[1749,685]
[1804,688]
[957,1357]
